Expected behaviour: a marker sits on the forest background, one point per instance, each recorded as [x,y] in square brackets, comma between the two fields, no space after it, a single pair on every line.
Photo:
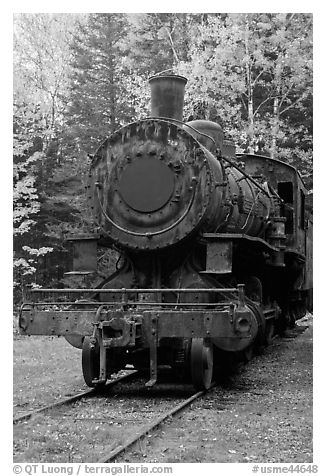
[79,77]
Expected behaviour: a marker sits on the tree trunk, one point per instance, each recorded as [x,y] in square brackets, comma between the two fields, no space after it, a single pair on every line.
[251,125]
[250,94]
[275,127]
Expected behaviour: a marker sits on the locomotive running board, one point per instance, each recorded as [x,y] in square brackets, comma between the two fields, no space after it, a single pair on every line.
[61,317]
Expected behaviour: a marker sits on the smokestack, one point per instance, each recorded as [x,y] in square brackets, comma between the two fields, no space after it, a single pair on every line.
[167,95]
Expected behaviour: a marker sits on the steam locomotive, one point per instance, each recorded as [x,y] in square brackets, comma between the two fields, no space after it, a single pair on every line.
[216,251]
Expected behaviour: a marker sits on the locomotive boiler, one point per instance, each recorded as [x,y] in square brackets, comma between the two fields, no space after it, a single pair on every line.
[215,251]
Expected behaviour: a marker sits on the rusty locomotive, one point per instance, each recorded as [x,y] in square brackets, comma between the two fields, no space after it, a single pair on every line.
[216,251]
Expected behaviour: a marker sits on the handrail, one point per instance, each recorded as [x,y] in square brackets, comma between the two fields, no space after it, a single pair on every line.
[134,303]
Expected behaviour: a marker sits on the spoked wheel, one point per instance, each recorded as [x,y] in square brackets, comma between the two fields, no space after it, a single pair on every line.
[90,362]
[201,361]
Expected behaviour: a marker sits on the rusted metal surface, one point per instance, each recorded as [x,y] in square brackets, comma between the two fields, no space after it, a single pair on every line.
[150,325]
[164,185]
[308,279]
[287,182]
[118,331]
[117,322]
[170,323]
[204,324]
[84,247]
[219,257]
[210,129]
[167,95]
[127,291]
[147,184]
[250,240]
[185,199]
[91,361]
[36,322]
[202,363]
[110,327]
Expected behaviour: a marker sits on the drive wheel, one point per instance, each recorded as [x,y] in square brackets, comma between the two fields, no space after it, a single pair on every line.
[90,362]
[201,362]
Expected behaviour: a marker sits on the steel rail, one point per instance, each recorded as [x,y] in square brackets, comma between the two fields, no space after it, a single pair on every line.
[116,451]
[74,398]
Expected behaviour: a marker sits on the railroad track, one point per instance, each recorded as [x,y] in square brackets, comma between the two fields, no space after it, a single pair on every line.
[125,414]
[74,398]
[114,452]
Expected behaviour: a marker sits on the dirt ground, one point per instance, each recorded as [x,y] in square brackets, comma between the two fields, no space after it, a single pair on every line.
[262,414]
[45,369]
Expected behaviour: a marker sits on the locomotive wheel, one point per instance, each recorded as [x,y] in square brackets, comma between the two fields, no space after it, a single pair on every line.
[201,362]
[90,362]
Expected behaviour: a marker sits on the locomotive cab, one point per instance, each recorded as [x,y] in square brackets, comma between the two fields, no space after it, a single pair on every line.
[289,186]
